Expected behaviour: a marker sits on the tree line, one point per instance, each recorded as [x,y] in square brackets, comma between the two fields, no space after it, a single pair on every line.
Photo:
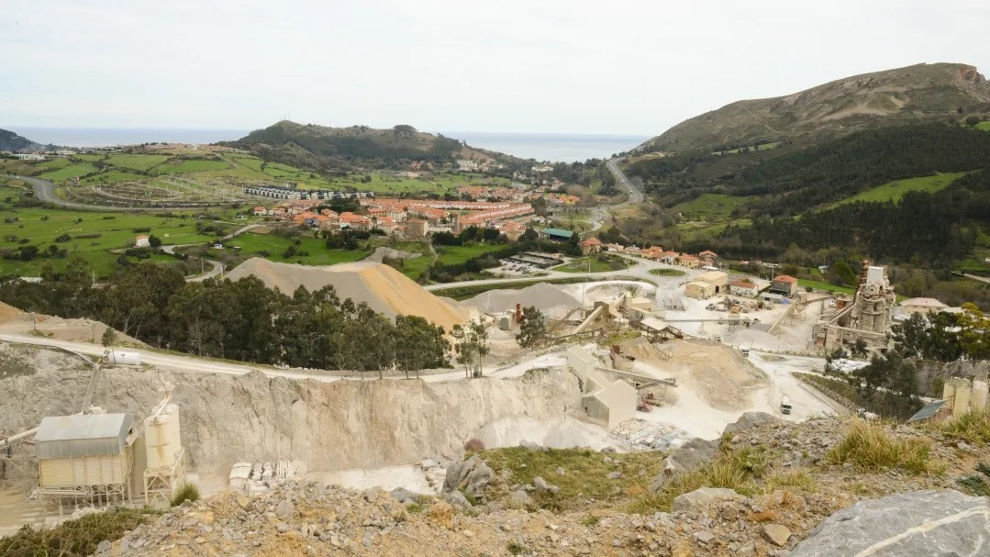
[241,320]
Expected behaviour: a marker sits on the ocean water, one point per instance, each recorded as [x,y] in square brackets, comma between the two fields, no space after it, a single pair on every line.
[542,147]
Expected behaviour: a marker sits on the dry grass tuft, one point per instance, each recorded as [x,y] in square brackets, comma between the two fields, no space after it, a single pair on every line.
[871,447]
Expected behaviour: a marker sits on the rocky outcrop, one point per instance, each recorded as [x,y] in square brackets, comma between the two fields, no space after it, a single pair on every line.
[689,457]
[920,523]
[749,420]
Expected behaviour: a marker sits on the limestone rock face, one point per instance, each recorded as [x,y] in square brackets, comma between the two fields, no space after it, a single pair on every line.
[914,524]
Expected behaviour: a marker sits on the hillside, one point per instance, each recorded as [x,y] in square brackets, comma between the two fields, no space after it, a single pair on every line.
[10,141]
[338,149]
[910,95]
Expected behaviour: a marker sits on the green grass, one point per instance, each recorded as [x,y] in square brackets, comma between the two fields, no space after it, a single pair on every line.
[69,171]
[318,253]
[973,427]
[454,255]
[870,446]
[40,226]
[985,126]
[821,285]
[710,206]
[113,176]
[183,166]
[738,470]
[596,264]
[894,191]
[136,161]
[185,492]
[585,474]
[664,272]
[75,538]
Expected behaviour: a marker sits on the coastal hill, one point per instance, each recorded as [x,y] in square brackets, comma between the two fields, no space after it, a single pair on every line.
[911,95]
[328,148]
[11,141]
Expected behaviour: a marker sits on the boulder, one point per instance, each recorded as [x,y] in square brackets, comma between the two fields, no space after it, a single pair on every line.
[777,534]
[689,457]
[457,499]
[749,420]
[704,497]
[402,494]
[913,524]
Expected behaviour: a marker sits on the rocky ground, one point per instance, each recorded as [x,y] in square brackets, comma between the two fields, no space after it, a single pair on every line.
[480,513]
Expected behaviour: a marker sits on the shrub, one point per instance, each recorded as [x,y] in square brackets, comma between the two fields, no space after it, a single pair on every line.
[730,470]
[186,492]
[870,447]
[73,537]
[973,427]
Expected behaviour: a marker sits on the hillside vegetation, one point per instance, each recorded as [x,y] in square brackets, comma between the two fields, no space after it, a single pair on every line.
[10,141]
[334,150]
[909,95]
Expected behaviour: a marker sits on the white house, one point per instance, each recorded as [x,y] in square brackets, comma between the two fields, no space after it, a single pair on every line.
[142,241]
[745,288]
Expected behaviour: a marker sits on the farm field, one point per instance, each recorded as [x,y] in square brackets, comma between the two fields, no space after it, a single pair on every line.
[894,191]
[89,235]
[209,171]
[310,251]
[710,206]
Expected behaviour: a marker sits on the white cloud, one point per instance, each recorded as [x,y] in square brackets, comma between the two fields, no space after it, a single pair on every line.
[575,66]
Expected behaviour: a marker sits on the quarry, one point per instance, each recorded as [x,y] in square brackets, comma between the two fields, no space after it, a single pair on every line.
[634,370]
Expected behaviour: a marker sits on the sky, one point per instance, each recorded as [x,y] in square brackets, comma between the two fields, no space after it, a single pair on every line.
[616,67]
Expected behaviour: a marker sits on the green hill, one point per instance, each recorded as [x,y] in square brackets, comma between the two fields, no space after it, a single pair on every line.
[10,141]
[331,150]
[909,95]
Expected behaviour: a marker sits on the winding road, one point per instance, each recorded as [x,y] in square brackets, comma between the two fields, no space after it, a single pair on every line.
[635,194]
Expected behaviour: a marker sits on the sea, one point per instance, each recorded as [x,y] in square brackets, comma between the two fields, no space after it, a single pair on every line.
[539,146]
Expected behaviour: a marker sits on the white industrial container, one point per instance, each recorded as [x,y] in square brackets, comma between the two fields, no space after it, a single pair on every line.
[125,358]
[162,440]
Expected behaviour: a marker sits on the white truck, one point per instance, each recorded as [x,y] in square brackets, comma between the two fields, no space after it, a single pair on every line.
[785,405]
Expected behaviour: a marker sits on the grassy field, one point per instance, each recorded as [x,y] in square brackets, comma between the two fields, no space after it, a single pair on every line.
[985,126]
[234,168]
[710,206]
[597,264]
[136,162]
[69,171]
[894,191]
[273,247]
[91,235]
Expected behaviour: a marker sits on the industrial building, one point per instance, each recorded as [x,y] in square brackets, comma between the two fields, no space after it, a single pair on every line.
[608,402]
[868,317]
[699,289]
[718,279]
[86,456]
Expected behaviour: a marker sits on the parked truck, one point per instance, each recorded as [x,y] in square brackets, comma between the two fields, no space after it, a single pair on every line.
[785,405]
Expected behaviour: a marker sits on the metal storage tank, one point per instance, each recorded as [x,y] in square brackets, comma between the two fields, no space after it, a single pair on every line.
[162,439]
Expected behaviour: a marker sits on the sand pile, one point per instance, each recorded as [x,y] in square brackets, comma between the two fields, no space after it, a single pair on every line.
[549,299]
[8,313]
[381,287]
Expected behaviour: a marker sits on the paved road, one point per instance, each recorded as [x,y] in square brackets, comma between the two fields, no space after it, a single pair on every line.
[635,194]
[188,364]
